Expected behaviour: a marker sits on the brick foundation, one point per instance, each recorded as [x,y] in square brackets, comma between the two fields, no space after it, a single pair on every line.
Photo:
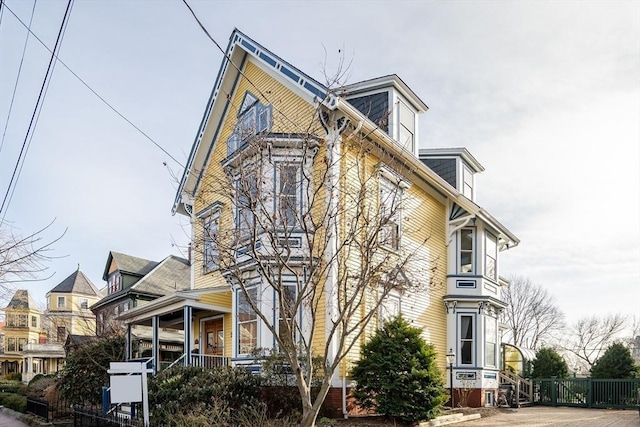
[332,406]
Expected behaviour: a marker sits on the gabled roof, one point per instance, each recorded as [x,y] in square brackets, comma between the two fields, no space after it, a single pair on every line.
[129,264]
[76,283]
[22,301]
[169,275]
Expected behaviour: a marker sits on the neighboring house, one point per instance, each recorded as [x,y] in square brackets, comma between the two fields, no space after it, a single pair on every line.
[68,308]
[23,327]
[456,242]
[133,282]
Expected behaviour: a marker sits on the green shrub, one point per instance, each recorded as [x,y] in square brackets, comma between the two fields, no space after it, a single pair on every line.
[193,392]
[15,402]
[13,376]
[13,387]
[615,363]
[549,364]
[397,374]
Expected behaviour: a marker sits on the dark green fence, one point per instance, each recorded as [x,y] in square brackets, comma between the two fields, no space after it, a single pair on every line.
[587,392]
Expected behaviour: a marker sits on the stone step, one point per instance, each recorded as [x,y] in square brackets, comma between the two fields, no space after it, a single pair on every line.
[449,419]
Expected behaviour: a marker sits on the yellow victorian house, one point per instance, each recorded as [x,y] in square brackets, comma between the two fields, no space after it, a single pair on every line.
[23,326]
[316,215]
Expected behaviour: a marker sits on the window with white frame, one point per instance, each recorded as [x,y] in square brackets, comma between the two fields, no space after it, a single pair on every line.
[407,125]
[246,321]
[11,344]
[390,213]
[467,182]
[466,253]
[288,181]
[22,343]
[62,302]
[253,118]
[491,333]
[22,320]
[210,234]
[491,257]
[34,321]
[467,340]
[246,202]
[287,312]
[84,303]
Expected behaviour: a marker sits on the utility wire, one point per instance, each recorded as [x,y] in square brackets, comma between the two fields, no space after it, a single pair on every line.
[15,87]
[104,101]
[13,182]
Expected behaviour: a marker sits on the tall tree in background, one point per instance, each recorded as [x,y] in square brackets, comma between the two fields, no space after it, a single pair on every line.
[531,315]
[23,258]
[616,362]
[589,337]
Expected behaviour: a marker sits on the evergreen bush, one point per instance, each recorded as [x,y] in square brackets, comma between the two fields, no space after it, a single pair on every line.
[615,363]
[549,364]
[397,374]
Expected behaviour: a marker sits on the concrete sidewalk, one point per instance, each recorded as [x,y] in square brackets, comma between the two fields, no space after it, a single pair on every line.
[8,418]
[543,416]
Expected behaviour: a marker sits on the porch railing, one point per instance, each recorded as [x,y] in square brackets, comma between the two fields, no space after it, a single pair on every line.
[205,361]
[522,386]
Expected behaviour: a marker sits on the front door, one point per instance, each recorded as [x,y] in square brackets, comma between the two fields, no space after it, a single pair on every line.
[214,337]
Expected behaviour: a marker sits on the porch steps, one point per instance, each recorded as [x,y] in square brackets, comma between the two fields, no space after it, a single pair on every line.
[449,419]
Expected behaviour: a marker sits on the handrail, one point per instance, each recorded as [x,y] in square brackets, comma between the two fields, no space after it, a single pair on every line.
[524,386]
[178,360]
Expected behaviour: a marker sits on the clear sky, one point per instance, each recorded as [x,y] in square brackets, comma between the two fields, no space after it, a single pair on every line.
[546,95]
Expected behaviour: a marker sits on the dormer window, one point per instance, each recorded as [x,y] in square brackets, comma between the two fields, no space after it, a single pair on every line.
[467,182]
[114,283]
[406,126]
[253,119]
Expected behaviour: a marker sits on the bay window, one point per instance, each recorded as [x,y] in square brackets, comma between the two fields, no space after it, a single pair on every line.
[287,191]
[491,257]
[466,253]
[490,354]
[247,321]
[210,230]
[467,340]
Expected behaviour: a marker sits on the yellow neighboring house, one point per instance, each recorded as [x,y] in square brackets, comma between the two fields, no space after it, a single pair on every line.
[313,206]
[23,326]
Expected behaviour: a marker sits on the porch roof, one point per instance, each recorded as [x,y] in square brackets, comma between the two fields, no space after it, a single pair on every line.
[174,303]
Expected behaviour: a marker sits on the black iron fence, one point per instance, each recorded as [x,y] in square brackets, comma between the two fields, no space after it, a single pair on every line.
[89,417]
[587,392]
[49,411]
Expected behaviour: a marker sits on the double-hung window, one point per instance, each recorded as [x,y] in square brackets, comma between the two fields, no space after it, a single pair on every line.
[491,259]
[247,321]
[287,312]
[287,191]
[466,255]
[246,203]
[390,213]
[490,353]
[210,235]
[62,303]
[84,303]
[407,125]
[467,340]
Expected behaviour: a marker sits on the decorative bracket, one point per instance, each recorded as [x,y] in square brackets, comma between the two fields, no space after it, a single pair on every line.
[450,306]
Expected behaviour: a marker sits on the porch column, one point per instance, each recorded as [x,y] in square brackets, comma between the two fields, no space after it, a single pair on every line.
[188,326]
[127,344]
[30,365]
[155,343]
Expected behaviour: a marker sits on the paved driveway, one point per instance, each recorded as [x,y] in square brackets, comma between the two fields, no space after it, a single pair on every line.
[539,416]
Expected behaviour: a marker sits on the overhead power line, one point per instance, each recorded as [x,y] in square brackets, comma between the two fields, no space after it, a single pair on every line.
[23,151]
[104,101]
[15,87]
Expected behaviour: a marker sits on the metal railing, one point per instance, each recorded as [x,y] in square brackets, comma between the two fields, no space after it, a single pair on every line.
[587,392]
[205,361]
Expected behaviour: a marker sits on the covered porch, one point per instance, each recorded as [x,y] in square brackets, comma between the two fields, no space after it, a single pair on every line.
[200,318]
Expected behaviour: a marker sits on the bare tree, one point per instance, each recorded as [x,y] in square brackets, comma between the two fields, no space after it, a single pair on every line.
[531,315]
[308,234]
[23,258]
[590,336]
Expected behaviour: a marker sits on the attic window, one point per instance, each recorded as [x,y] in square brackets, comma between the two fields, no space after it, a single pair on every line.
[253,118]
[407,126]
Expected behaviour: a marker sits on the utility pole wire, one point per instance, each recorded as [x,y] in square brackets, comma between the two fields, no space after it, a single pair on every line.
[104,101]
[15,87]
[13,182]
